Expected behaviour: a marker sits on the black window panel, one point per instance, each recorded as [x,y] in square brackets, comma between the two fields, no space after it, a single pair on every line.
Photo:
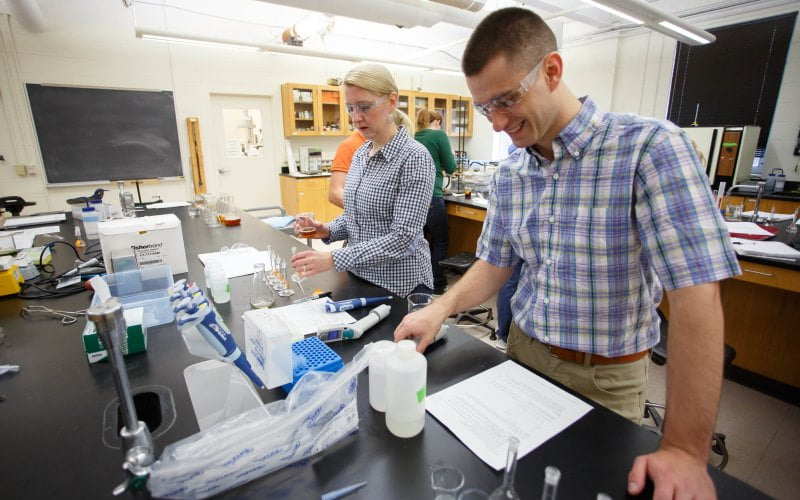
[736,79]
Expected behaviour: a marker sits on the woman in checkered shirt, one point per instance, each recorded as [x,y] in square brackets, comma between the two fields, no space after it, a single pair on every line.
[386,195]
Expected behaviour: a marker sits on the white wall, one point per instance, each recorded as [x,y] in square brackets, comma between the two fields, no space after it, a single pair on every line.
[640,67]
[94,56]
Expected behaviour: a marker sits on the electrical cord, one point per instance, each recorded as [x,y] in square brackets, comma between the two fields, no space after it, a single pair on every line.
[45,287]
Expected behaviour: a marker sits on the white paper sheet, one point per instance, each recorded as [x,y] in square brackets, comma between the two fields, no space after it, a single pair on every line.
[764,249]
[508,399]
[238,262]
[307,317]
[33,220]
[23,238]
[746,228]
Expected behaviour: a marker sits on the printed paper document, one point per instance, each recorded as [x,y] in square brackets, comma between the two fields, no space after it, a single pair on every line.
[237,262]
[508,399]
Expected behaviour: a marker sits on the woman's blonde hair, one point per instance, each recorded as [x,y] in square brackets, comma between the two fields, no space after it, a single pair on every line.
[377,79]
[426,116]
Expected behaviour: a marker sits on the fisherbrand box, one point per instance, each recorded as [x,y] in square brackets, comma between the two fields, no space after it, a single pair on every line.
[154,240]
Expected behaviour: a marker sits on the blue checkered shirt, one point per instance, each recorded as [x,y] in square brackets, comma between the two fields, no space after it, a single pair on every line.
[622,211]
[386,200]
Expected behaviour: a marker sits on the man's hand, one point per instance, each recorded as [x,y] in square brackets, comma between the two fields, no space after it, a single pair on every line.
[675,473]
[423,324]
[311,262]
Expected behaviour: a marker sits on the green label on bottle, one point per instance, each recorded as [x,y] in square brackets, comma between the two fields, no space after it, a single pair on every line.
[421,394]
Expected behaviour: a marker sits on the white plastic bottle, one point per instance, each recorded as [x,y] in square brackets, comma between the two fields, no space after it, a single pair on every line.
[218,283]
[382,349]
[406,377]
[90,220]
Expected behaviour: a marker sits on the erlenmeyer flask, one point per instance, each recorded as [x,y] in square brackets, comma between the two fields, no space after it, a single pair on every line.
[506,490]
[261,295]
[231,216]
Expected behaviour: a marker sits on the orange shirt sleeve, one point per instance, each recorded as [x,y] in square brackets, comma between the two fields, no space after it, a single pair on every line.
[345,151]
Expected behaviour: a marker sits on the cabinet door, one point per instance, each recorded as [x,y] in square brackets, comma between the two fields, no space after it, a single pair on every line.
[299,110]
[405,103]
[441,104]
[460,122]
[333,119]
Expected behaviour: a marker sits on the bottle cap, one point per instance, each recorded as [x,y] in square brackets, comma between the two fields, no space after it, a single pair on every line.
[406,347]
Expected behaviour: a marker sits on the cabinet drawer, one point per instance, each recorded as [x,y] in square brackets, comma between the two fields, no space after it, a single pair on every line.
[315,184]
[767,275]
[466,212]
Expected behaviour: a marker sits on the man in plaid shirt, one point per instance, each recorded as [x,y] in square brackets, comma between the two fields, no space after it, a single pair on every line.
[606,211]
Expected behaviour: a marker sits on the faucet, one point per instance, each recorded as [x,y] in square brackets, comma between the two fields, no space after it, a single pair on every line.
[759,192]
[137,443]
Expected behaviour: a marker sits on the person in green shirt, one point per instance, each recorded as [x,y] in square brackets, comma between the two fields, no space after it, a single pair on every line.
[430,134]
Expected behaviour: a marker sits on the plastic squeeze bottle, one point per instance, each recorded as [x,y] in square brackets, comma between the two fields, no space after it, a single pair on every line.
[406,378]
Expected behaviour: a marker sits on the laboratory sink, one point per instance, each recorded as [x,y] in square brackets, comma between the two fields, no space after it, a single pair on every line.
[155,407]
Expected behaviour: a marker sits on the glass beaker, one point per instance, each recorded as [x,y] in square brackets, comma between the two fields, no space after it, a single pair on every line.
[211,219]
[446,482]
[733,212]
[418,301]
[261,294]
[793,226]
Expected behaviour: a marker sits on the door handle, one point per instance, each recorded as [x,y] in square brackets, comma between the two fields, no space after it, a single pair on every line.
[223,171]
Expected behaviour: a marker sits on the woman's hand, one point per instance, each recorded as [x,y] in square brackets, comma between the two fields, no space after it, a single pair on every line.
[303,225]
[311,262]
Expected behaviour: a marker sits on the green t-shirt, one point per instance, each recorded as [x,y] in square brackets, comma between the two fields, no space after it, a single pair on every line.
[437,143]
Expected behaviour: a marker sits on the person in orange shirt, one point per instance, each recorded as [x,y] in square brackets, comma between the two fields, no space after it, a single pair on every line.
[341,165]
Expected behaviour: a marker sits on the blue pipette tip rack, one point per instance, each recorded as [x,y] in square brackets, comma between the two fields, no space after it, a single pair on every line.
[316,356]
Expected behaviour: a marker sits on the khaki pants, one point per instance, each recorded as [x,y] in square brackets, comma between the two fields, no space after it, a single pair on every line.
[618,387]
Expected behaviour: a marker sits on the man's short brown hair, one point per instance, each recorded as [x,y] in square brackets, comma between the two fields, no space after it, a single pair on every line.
[518,34]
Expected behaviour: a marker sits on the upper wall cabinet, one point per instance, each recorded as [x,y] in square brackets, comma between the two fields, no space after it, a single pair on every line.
[313,110]
[319,110]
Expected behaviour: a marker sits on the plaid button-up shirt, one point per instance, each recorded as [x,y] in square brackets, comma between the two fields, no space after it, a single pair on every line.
[386,200]
[623,210]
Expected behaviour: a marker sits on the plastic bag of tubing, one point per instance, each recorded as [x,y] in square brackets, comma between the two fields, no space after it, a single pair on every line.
[320,410]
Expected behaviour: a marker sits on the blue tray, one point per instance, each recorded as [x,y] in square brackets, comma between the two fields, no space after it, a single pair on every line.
[312,354]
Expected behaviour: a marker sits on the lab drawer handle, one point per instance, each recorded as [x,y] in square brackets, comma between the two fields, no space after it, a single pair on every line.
[757,272]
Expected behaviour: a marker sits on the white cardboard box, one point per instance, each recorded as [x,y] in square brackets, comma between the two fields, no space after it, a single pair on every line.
[268,347]
[153,240]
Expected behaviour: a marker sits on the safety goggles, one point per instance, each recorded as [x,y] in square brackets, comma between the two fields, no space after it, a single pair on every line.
[504,102]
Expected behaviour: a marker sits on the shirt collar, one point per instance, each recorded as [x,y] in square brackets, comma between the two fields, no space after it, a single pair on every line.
[395,144]
[578,133]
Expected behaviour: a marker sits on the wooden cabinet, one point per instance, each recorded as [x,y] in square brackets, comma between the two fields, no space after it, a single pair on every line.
[308,194]
[766,205]
[314,110]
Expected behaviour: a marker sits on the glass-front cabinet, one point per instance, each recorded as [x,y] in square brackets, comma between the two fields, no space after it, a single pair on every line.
[460,122]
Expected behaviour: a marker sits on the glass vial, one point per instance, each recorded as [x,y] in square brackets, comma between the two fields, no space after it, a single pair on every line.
[551,478]
[261,295]
[506,490]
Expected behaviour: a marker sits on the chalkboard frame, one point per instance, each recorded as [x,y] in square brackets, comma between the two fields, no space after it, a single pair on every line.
[100,135]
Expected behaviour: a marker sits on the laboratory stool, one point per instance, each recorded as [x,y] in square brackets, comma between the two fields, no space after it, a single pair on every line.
[459,263]
[659,356]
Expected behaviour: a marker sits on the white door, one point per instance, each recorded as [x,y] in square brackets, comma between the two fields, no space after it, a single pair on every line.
[243,156]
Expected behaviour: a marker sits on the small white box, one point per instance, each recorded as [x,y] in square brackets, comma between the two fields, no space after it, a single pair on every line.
[268,347]
[155,240]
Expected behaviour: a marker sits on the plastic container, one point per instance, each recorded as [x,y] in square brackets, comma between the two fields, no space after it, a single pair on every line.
[90,219]
[218,392]
[146,288]
[381,350]
[218,282]
[406,376]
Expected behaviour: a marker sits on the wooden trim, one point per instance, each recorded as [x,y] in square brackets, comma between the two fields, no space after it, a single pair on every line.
[196,154]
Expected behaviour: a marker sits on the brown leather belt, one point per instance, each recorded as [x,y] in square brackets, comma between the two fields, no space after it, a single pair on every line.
[595,359]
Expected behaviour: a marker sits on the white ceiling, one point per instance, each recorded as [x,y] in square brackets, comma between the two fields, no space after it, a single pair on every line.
[262,22]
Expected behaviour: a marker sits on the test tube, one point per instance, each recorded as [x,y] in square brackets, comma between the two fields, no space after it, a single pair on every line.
[551,477]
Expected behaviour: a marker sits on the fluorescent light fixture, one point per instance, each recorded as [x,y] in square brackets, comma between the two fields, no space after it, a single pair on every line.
[684,32]
[640,12]
[205,43]
[166,36]
[614,11]
[446,71]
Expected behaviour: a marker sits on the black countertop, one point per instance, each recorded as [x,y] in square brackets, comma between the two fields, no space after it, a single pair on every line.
[52,427]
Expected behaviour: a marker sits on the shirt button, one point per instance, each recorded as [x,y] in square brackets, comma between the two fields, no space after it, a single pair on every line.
[548,261]
[551,219]
[547,338]
[546,300]
[555,176]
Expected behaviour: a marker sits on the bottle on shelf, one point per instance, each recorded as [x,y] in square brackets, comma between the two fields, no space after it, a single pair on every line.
[90,219]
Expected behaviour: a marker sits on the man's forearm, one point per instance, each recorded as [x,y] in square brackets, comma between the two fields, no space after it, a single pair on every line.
[478,284]
[694,369]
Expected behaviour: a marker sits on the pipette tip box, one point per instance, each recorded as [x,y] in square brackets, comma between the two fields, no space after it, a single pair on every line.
[312,354]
